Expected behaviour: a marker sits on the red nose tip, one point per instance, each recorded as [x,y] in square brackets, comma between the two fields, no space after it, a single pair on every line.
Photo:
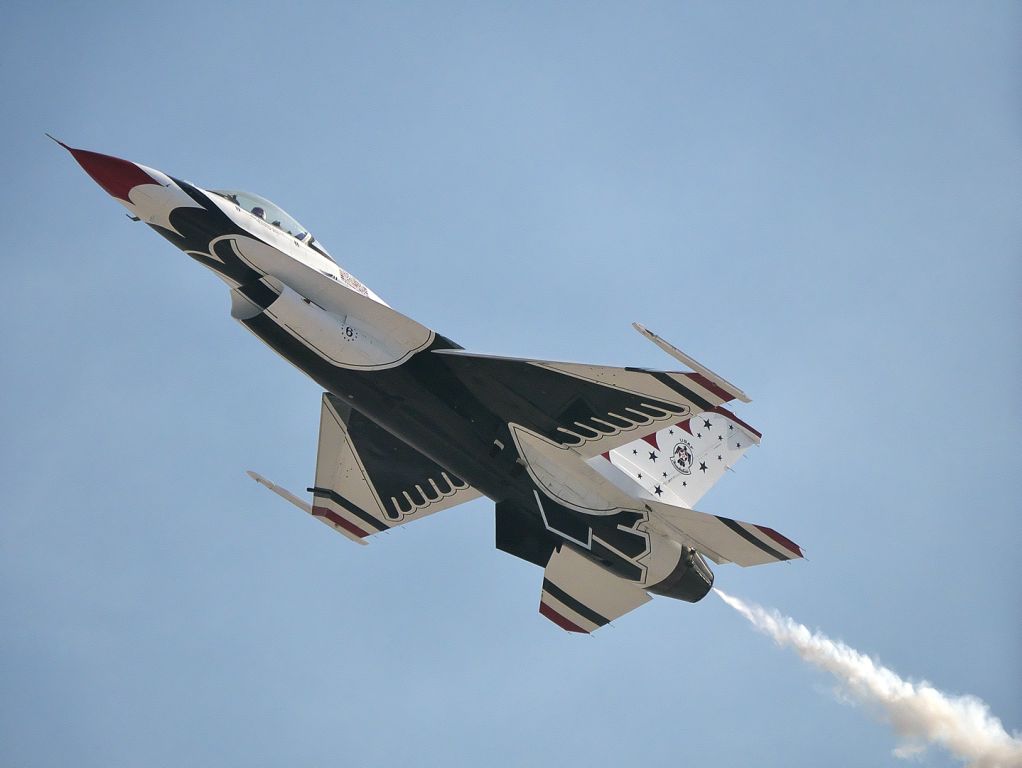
[118,177]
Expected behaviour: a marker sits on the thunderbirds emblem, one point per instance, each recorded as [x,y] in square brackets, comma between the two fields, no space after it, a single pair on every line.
[682,457]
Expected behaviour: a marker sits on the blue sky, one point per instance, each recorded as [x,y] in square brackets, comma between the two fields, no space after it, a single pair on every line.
[820,201]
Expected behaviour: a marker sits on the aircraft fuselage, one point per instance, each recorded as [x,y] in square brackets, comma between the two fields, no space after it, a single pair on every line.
[412,382]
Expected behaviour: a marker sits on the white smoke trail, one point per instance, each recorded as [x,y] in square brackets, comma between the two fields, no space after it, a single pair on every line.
[920,713]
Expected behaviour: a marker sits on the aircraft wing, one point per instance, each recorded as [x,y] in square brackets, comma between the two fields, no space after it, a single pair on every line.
[368,480]
[590,408]
[580,596]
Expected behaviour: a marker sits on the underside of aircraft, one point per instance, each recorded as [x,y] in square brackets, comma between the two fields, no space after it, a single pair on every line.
[594,470]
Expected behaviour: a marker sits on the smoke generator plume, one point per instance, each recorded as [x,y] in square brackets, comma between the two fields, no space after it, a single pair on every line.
[920,713]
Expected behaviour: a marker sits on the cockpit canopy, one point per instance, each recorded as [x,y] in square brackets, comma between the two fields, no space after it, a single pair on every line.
[272,214]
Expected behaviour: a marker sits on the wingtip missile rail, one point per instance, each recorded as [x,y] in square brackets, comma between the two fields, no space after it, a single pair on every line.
[692,363]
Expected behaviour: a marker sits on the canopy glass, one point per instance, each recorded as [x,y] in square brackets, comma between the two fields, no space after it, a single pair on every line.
[271,213]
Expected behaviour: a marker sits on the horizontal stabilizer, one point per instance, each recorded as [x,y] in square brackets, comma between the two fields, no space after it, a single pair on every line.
[581,596]
[722,539]
[368,480]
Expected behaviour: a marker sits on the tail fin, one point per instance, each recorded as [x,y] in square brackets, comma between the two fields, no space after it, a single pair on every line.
[679,463]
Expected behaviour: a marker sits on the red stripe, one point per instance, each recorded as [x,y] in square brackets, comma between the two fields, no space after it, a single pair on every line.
[559,620]
[737,421]
[339,521]
[709,386]
[685,425]
[784,541]
[651,439]
[606,455]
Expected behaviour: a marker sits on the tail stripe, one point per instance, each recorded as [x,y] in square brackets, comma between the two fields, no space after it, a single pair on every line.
[581,609]
[781,539]
[559,620]
[339,521]
[735,526]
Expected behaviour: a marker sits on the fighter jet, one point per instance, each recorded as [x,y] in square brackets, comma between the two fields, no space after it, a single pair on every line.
[594,470]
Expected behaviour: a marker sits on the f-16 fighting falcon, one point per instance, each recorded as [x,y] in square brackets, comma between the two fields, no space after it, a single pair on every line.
[594,470]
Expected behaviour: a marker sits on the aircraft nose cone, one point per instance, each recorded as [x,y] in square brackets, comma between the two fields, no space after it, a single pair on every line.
[118,177]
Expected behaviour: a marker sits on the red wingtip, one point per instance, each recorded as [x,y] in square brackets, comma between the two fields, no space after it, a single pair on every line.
[118,177]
